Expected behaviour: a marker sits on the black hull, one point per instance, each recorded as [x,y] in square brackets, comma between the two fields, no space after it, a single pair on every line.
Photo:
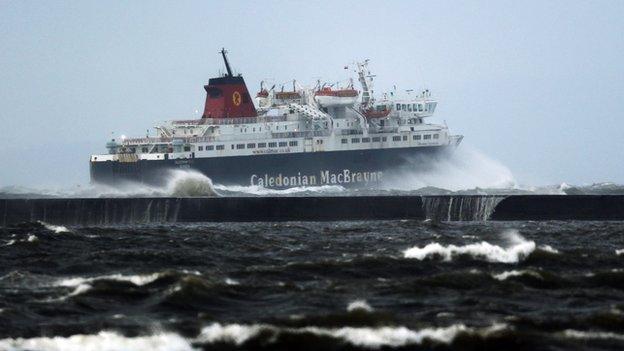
[354,168]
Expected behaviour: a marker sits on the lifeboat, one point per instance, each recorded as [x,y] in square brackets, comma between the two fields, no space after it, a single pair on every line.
[327,97]
[371,113]
[263,94]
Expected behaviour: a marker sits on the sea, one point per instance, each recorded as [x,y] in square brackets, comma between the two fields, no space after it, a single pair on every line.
[345,285]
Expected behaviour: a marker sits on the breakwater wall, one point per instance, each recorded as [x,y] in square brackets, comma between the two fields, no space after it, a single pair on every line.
[113,211]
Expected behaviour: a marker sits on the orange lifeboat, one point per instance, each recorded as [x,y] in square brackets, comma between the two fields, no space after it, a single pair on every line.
[327,97]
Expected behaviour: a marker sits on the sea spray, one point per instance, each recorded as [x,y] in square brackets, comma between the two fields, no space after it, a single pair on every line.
[465,168]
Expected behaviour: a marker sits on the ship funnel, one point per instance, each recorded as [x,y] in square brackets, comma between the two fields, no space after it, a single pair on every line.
[227,96]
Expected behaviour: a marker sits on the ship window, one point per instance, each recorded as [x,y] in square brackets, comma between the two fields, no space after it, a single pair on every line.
[436,136]
[416,137]
[403,107]
[396,138]
[144,149]
[420,107]
[273,144]
[292,143]
[232,146]
[285,127]
[404,137]
[240,146]
[365,140]
[282,143]
[209,147]
[355,140]
[261,145]
[187,148]
[415,107]
[220,147]
[376,139]
[427,136]
[409,107]
[384,139]
[398,107]
[251,146]
[344,141]
[200,148]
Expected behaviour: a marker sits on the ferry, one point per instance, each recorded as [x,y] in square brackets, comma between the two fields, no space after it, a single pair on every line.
[324,135]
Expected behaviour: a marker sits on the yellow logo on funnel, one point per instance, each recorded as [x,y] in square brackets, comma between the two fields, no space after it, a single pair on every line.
[236,98]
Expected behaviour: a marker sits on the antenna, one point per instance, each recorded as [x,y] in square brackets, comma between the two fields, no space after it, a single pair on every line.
[227,64]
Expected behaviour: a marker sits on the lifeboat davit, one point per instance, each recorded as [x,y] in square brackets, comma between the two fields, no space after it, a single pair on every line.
[327,97]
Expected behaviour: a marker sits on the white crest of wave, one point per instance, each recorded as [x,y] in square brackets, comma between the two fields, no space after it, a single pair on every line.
[357,336]
[103,341]
[507,274]
[189,183]
[134,279]
[518,249]
[619,252]
[259,190]
[466,168]
[360,305]
[578,334]
[55,228]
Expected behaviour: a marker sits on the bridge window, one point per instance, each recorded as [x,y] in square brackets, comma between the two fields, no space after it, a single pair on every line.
[201,148]
[273,144]
[416,137]
[420,107]
[187,148]
[405,138]
[427,137]
[240,146]
[396,138]
[261,145]
[366,140]
[415,107]
[355,140]
[251,146]
[292,143]
[343,141]
[409,107]
[220,147]
[403,107]
[282,143]
[398,107]
[376,139]
[209,147]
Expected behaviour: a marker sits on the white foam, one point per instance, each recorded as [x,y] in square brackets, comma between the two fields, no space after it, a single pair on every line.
[32,238]
[259,190]
[518,249]
[549,249]
[134,279]
[103,341]
[361,305]
[507,274]
[619,252]
[55,228]
[357,336]
[230,281]
[578,334]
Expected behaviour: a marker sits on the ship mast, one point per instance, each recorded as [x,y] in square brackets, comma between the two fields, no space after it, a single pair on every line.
[366,80]
[227,64]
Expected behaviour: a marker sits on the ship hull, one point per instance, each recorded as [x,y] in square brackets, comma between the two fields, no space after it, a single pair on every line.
[368,168]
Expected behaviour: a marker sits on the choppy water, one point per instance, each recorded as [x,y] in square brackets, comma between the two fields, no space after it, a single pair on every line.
[340,285]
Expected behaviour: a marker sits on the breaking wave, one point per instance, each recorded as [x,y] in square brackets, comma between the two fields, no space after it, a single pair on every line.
[519,248]
[258,190]
[240,334]
[465,168]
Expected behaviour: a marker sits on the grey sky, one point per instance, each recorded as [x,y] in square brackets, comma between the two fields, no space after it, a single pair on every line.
[538,85]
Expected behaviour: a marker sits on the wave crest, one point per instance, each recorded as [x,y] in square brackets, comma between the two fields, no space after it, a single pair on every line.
[518,250]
